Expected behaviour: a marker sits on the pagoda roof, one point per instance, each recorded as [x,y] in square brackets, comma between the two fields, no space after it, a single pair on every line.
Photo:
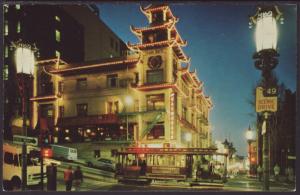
[172,43]
[170,25]
[156,7]
[92,66]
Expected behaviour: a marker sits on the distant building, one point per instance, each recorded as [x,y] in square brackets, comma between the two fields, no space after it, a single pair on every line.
[74,33]
[146,99]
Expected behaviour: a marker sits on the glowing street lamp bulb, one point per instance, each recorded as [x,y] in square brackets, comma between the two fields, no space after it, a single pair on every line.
[24,60]
[128,100]
[188,137]
[266,31]
[249,135]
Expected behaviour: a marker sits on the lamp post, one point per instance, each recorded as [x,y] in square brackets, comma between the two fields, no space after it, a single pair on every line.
[250,138]
[24,61]
[265,57]
[128,102]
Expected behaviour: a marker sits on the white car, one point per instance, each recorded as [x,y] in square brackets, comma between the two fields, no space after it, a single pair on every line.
[102,163]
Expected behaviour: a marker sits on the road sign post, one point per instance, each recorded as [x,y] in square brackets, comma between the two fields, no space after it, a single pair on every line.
[266,103]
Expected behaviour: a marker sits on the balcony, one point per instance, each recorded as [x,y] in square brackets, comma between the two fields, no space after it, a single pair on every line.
[142,110]
[88,120]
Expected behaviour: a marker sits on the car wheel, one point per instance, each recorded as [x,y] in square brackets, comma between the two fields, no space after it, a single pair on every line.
[16,183]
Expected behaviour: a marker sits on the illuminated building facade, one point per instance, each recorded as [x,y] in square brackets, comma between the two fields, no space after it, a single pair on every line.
[53,29]
[147,98]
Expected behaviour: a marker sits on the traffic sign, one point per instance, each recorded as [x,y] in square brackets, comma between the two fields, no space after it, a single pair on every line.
[265,104]
[270,91]
[18,139]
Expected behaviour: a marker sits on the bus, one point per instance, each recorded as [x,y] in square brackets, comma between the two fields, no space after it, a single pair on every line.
[12,166]
[180,164]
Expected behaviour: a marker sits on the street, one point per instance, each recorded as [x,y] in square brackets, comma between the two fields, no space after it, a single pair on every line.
[95,182]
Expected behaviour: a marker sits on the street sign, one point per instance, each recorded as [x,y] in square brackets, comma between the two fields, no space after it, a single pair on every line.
[265,104]
[270,92]
[18,139]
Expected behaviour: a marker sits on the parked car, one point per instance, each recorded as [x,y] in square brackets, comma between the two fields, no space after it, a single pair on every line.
[102,163]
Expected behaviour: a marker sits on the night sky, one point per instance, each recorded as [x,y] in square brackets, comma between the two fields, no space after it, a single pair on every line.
[221,46]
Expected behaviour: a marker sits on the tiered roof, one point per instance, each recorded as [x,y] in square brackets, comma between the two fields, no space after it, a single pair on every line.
[176,42]
[89,67]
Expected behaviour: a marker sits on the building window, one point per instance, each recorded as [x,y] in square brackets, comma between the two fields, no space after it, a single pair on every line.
[61,111]
[47,111]
[18,6]
[6,52]
[5,27]
[155,76]
[57,35]
[109,107]
[184,111]
[112,81]
[157,132]
[81,83]
[112,43]
[60,86]
[136,77]
[18,27]
[82,109]
[116,107]
[5,72]
[136,105]
[57,18]
[155,102]
[57,53]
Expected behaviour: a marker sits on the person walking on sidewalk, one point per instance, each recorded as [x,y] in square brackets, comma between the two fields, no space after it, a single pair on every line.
[276,172]
[68,178]
[259,172]
[78,178]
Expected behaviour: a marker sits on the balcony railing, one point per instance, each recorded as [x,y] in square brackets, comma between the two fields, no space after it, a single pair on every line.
[142,110]
[88,120]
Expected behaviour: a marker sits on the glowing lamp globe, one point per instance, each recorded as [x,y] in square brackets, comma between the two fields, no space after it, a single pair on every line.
[128,100]
[24,60]
[266,31]
[188,137]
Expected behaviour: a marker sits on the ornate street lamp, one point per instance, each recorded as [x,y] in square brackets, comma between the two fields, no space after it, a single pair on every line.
[250,138]
[24,61]
[266,35]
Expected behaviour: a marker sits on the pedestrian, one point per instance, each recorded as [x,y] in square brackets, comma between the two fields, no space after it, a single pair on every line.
[68,178]
[276,172]
[259,172]
[78,178]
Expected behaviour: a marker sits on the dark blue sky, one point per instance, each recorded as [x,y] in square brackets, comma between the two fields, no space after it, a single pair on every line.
[221,46]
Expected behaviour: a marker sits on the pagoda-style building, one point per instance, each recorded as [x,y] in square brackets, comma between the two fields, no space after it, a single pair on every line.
[149,98]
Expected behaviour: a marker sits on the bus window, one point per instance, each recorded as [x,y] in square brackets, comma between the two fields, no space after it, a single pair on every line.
[8,158]
[16,160]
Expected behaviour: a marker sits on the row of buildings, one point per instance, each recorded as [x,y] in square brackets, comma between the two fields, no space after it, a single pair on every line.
[116,95]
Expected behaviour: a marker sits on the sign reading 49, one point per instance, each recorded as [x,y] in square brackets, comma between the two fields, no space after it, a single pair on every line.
[270,92]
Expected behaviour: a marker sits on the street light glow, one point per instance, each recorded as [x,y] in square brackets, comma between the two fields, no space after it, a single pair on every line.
[25,60]
[128,100]
[188,137]
[266,31]
[249,135]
